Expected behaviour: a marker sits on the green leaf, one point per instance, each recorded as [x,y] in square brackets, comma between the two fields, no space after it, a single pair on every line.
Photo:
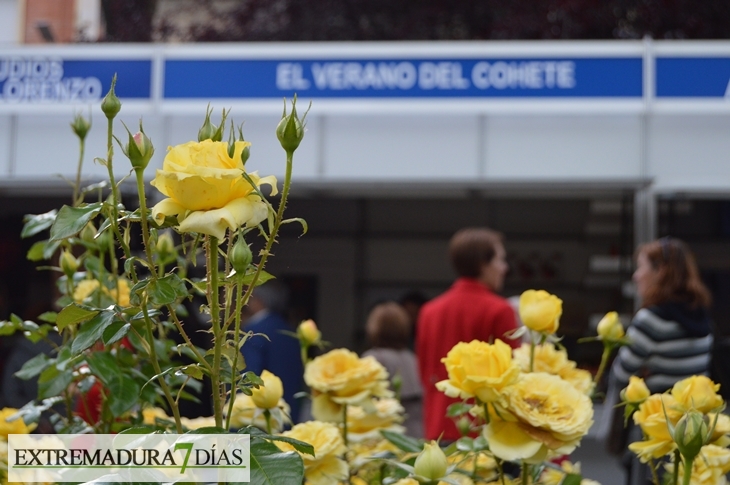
[91,331]
[35,223]
[166,290]
[457,409]
[33,367]
[193,370]
[35,253]
[572,479]
[263,278]
[115,332]
[271,466]
[71,220]
[301,221]
[53,382]
[402,442]
[300,446]
[465,444]
[123,389]
[49,317]
[73,314]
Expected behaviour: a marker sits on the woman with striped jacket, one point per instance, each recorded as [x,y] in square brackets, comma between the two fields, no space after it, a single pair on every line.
[670,335]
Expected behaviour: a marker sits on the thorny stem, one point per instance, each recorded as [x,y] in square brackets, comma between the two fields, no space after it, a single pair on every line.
[236,338]
[148,321]
[211,250]
[77,185]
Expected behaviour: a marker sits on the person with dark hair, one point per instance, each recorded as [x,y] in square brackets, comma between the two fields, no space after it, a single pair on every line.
[388,329]
[278,351]
[412,302]
[670,336]
[469,310]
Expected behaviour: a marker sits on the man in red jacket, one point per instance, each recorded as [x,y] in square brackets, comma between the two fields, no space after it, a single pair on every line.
[467,311]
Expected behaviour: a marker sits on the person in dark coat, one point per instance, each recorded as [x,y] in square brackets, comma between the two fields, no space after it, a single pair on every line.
[277,352]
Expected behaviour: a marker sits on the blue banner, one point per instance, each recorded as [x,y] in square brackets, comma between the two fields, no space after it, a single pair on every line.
[405,78]
[697,77]
[50,79]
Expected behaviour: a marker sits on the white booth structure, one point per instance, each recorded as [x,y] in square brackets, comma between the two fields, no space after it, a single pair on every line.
[576,151]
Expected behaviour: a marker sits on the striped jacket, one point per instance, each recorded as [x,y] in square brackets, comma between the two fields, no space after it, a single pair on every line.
[665,350]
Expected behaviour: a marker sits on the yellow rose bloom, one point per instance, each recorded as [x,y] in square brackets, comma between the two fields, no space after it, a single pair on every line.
[84,289]
[709,468]
[478,369]
[636,392]
[206,189]
[365,424]
[545,415]
[548,358]
[610,327]
[325,467]
[245,413]
[308,332]
[650,416]
[553,476]
[151,415]
[268,395]
[553,360]
[581,379]
[347,378]
[698,392]
[540,311]
[123,298]
[16,426]
[197,423]
[485,467]
[407,481]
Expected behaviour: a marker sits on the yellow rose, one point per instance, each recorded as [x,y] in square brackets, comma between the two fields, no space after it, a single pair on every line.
[407,481]
[479,369]
[653,421]
[123,298]
[610,327]
[268,395]
[553,360]
[245,413]
[540,311]
[308,332]
[206,189]
[553,476]
[581,379]
[365,424]
[325,467]
[347,378]
[709,468]
[84,289]
[698,392]
[548,358]
[17,426]
[636,392]
[151,415]
[545,414]
[199,422]
[485,467]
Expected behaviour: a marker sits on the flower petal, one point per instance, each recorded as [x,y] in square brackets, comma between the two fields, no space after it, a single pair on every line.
[166,207]
[509,442]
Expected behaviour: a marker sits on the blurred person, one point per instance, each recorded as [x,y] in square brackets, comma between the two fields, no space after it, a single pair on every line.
[412,301]
[388,329]
[469,310]
[670,336]
[278,352]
